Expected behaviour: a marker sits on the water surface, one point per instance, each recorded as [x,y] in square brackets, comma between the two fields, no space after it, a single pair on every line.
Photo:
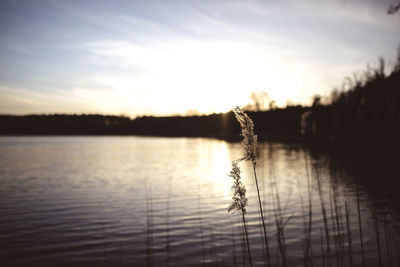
[136,201]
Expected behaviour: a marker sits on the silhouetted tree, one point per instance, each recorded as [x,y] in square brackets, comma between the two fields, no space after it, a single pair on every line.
[316,101]
[258,102]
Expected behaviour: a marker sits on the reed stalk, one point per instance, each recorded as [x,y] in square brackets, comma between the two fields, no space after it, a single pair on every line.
[249,144]
[310,216]
[261,214]
[349,240]
[243,239]
[280,227]
[308,225]
[233,247]
[376,228]
[168,241]
[336,217]
[239,200]
[322,247]
[395,241]
[203,255]
[387,238]
[149,225]
[360,227]
[325,219]
[247,238]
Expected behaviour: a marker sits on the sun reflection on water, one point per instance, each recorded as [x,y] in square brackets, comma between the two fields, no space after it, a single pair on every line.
[220,167]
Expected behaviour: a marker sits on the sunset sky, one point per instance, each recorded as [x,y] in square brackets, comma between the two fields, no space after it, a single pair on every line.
[168,57]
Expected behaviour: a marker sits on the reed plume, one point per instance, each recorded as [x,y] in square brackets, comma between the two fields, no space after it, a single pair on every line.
[239,200]
[249,144]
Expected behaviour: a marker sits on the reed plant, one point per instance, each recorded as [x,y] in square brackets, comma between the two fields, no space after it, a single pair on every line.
[280,224]
[249,144]
[360,227]
[337,242]
[200,218]
[239,200]
[322,247]
[233,241]
[387,237]
[336,218]
[308,226]
[349,239]
[149,225]
[375,221]
[325,220]
[168,237]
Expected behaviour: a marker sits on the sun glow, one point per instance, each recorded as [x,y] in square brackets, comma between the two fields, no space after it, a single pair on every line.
[207,76]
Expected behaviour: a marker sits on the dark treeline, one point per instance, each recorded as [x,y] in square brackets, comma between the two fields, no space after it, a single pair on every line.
[271,124]
[63,125]
[368,111]
[371,107]
[362,122]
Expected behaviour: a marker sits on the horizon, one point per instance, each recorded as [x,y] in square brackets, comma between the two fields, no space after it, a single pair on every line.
[158,59]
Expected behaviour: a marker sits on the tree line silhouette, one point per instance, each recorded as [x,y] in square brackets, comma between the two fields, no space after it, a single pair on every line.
[276,124]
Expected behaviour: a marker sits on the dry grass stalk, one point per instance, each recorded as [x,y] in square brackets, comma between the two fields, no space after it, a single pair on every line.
[249,144]
[239,200]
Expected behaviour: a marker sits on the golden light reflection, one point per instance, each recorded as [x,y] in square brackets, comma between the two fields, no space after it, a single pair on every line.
[220,168]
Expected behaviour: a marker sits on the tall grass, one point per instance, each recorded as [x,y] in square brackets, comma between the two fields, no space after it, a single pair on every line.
[239,201]
[360,227]
[349,239]
[308,244]
[375,220]
[149,225]
[249,144]
[233,240]
[203,254]
[325,219]
[336,217]
[280,224]
[168,239]
[338,245]
[387,238]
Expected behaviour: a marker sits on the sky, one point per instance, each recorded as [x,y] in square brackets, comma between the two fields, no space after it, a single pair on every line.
[150,57]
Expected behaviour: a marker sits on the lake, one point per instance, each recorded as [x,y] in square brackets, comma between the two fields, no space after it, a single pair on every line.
[149,201]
